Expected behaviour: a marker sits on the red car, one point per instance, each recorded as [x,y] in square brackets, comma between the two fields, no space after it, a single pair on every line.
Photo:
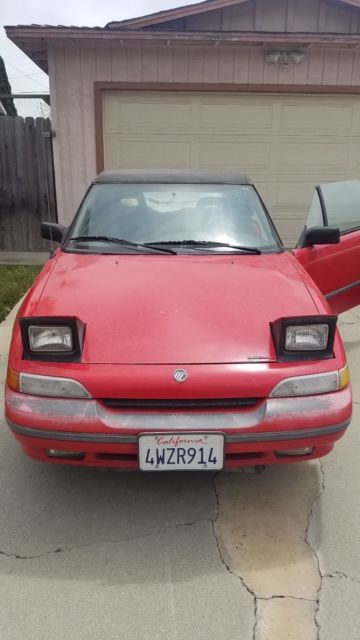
[171,330]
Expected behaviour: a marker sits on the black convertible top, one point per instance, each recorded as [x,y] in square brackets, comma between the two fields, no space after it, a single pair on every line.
[171,176]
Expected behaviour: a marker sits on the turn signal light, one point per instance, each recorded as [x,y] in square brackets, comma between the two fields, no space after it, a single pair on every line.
[312,384]
[12,379]
[344,377]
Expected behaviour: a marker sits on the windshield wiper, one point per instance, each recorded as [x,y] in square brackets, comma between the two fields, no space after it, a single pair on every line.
[208,244]
[121,242]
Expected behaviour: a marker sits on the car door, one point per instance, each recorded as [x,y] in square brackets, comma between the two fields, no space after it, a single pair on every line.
[335,268]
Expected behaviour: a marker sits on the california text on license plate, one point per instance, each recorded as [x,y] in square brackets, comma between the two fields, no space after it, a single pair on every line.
[171,451]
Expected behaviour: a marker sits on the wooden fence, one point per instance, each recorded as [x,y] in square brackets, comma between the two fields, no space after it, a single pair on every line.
[27,186]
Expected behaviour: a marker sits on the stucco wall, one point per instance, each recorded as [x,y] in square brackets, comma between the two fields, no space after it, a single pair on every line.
[74,68]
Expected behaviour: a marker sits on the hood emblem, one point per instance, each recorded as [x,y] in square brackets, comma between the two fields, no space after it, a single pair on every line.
[180,375]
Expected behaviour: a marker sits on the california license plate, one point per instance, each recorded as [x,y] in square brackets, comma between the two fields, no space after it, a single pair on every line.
[187,451]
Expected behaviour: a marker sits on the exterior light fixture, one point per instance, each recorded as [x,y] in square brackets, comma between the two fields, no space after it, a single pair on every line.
[284,58]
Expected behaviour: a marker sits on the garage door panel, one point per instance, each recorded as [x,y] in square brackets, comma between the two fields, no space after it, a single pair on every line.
[313,155]
[287,143]
[309,118]
[234,155]
[147,115]
[147,153]
[236,117]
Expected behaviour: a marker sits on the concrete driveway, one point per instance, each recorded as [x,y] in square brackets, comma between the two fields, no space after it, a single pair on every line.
[130,556]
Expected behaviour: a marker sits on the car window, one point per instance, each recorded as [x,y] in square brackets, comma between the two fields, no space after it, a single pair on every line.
[342,204]
[146,213]
[315,217]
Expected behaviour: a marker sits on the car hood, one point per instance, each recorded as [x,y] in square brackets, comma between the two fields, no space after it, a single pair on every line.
[176,309]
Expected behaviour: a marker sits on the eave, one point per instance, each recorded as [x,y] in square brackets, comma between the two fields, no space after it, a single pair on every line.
[34,40]
[34,36]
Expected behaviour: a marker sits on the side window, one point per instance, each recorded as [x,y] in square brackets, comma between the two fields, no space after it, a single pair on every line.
[315,217]
[342,204]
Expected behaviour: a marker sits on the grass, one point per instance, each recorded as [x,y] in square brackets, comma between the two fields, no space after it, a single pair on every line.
[14,282]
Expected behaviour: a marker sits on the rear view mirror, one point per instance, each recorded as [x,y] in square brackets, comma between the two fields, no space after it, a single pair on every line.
[320,235]
[53,231]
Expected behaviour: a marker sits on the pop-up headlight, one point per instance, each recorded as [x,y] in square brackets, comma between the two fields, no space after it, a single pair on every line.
[59,339]
[304,338]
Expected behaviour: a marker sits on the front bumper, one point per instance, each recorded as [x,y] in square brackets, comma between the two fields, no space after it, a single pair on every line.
[109,437]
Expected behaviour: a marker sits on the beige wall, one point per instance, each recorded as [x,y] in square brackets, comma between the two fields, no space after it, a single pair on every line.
[74,68]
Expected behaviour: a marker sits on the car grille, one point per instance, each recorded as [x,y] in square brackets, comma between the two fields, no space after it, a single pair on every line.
[180,404]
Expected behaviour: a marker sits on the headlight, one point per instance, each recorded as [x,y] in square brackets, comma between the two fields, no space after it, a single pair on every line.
[304,338]
[50,339]
[313,384]
[57,339]
[311,337]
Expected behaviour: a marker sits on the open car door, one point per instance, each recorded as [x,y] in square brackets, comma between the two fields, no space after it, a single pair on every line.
[335,268]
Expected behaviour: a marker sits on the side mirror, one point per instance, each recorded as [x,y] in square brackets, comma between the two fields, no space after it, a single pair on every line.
[53,231]
[320,235]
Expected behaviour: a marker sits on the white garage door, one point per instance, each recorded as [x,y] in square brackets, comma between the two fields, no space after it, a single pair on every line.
[285,143]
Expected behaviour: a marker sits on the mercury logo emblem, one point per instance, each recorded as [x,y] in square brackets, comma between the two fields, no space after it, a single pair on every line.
[180,375]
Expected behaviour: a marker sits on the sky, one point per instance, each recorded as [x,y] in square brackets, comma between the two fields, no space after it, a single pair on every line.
[24,76]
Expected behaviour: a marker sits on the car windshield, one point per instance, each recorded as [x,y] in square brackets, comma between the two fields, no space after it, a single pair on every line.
[183,214]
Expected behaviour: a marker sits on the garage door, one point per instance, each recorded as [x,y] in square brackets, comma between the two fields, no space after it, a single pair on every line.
[286,144]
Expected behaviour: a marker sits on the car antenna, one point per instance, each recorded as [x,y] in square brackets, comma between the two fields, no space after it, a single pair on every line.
[47,135]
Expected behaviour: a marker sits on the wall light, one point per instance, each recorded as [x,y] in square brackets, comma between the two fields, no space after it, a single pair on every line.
[283,58]
[297,56]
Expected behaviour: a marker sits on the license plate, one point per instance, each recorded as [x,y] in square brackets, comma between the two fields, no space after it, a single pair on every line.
[172,451]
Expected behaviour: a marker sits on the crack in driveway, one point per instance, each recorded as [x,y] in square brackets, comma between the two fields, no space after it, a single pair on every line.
[252,592]
[224,563]
[313,549]
[190,523]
